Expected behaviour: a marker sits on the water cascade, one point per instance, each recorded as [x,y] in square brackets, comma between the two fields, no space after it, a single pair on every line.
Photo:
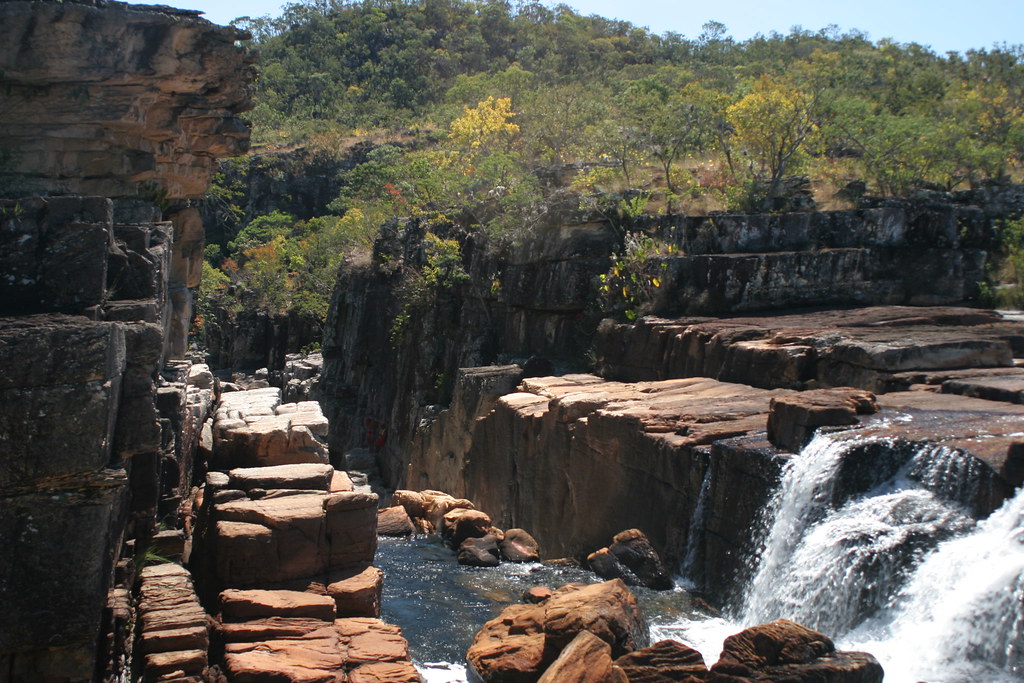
[870,541]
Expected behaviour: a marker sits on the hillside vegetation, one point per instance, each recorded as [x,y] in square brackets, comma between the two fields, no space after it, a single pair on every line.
[487,112]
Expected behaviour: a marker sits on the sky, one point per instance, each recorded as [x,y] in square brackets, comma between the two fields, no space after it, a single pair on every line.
[943,25]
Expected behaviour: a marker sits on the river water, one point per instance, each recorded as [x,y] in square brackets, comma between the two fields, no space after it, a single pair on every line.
[441,605]
[897,568]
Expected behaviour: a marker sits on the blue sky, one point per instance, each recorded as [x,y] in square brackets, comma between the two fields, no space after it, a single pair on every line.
[943,25]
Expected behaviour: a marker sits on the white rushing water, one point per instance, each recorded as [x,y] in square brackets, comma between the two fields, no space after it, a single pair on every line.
[898,570]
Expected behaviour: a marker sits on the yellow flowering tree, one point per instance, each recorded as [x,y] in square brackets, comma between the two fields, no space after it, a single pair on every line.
[485,127]
[773,125]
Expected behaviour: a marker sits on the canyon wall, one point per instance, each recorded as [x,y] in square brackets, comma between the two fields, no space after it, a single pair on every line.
[447,399]
[112,119]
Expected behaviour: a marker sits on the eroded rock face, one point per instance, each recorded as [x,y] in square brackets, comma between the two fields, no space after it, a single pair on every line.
[792,420]
[877,349]
[104,100]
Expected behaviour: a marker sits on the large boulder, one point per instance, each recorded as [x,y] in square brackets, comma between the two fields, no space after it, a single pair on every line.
[462,523]
[786,651]
[479,552]
[394,521]
[667,661]
[524,640]
[632,558]
[519,546]
[587,659]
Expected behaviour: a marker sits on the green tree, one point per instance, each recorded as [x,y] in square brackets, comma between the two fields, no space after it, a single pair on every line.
[774,124]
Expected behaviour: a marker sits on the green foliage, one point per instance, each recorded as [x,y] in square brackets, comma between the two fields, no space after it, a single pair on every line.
[421,289]
[261,231]
[1012,296]
[630,285]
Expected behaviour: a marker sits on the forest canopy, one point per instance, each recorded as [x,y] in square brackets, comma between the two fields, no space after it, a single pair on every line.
[471,107]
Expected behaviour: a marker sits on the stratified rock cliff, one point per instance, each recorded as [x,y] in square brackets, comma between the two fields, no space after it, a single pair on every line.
[668,434]
[111,99]
[108,110]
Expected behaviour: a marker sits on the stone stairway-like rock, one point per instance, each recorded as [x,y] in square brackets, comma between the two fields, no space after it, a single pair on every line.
[174,634]
[285,550]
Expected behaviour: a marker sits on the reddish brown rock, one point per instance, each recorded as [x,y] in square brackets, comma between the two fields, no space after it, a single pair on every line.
[348,650]
[414,502]
[784,650]
[587,659]
[253,429]
[524,640]
[462,523]
[271,540]
[667,661]
[537,594]
[243,605]
[608,610]
[174,633]
[519,546]
[793,419]
[394,521]
[268,629]
[358,595]
[340,482]
[304,476]
[385,672]
[317,656]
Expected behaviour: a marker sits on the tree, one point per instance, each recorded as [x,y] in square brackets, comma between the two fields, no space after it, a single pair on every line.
[774,124]
[484,128]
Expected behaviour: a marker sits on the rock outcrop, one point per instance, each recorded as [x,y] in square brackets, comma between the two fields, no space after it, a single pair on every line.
[254,429]
[174,633]
[786,651]
[119,108]
[121,98]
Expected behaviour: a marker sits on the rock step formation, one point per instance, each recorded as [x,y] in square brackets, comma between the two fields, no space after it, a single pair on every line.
[879,349]
[686,461]
[174,633]
[253,429]
[285,554]
[351,650]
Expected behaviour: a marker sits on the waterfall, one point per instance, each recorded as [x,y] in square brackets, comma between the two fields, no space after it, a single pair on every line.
[689,568]
[961,617]
[899,569]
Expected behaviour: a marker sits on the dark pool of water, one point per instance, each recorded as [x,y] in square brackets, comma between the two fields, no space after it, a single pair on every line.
[441,605]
